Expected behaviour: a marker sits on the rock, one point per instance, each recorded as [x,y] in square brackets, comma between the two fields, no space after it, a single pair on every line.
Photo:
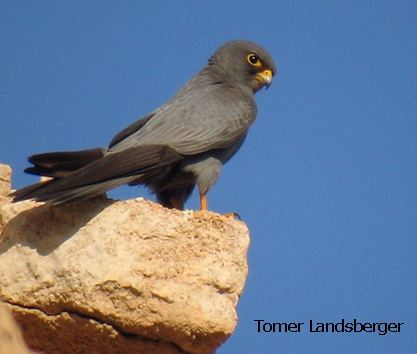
[11,340]
[103,276]
[5,176]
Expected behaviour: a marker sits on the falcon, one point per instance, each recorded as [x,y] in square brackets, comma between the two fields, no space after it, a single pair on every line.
[180,145]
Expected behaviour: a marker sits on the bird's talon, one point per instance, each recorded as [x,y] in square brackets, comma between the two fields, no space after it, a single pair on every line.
[233,215]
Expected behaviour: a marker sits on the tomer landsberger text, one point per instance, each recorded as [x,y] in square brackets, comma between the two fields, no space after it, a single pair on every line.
[382,328]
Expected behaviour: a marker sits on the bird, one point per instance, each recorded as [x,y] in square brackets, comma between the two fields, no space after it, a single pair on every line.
[181,145]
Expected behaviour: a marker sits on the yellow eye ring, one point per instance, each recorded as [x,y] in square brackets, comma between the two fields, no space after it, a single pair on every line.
[254,60]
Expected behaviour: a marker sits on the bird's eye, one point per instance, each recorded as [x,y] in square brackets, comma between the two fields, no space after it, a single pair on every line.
[254,60]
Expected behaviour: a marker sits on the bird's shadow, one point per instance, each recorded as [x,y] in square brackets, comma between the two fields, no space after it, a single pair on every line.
[45,227]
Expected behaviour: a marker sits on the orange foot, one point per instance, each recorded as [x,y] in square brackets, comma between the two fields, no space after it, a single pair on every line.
[204,207]
[176,204]
[233,215]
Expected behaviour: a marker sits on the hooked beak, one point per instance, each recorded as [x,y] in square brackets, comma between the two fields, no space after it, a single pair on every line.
[265,77]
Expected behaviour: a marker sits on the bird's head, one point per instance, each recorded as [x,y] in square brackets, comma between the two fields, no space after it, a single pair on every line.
[245,63]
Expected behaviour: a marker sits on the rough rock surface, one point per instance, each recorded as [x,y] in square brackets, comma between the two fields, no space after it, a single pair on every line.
[5,176]
[103,276]
[11,340]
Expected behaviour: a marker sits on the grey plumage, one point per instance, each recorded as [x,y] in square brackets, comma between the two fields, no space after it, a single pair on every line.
[181,144]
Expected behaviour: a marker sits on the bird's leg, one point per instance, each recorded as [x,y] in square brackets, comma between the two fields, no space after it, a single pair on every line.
[204,207]
[203,201]
[175,203]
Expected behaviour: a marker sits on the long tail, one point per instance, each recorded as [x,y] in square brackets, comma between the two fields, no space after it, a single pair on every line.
[63,163]
[98,176]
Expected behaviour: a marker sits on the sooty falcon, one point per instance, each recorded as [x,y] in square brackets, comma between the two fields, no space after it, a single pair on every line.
[179,145]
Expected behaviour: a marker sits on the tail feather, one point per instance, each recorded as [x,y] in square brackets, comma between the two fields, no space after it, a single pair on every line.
[102,174]
[63,163]
[21,194]
[88,191]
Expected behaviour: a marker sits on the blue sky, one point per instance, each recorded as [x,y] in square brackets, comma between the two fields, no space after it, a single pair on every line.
[327,179]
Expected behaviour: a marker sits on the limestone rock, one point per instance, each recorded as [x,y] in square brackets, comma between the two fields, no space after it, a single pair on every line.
[11,340]
[103,276]
[5,176]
